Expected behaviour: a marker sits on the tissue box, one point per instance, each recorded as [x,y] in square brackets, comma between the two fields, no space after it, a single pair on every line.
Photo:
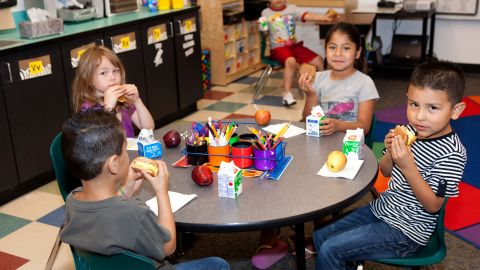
[353,144]
[312,125]
[40,29]
[150,150]
[229,180]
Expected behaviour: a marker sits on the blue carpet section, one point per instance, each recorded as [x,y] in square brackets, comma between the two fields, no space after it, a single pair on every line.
[270,100]
[54,218]
[381,129]
[247,80]
[467,128]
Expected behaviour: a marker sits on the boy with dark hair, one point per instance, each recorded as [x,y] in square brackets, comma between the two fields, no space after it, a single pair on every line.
[94,149]
[402,220]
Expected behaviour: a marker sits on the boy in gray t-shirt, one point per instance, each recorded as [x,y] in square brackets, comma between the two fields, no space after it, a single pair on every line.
[94,149]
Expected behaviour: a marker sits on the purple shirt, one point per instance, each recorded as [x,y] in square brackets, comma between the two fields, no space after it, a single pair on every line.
[125,113]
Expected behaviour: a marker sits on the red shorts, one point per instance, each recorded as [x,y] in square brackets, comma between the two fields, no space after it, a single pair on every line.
[302,54]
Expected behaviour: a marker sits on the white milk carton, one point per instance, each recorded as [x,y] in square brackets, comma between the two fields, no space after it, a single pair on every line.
[353,144]
[229,180]
[313,121]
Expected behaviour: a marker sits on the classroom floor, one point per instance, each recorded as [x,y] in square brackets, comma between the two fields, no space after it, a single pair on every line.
[30,223]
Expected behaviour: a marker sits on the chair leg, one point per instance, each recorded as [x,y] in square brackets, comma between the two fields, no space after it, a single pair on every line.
[54,252]
[261,82]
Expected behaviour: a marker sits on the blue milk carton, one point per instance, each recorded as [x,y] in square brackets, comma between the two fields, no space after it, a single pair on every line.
[313,121]
[147,145]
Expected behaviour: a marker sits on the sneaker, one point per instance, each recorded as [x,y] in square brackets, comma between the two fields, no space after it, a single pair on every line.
[288,99]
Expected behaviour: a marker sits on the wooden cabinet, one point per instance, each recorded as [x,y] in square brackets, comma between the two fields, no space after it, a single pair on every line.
[234,48]
[36,105]
[7,165]
[36,80]
[188,58]
[159,60]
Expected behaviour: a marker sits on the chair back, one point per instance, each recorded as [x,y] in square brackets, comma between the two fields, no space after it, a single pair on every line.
[369,138]
[434,252]
[66,181]
[125,260]
[265,59]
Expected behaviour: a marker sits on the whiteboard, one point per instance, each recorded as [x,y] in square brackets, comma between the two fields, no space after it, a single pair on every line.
[457,7]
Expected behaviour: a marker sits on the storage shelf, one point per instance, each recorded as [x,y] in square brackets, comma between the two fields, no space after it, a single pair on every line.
[220,38]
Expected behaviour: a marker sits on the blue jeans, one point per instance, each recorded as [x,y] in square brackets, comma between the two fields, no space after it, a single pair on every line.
[357,237]
[209,263]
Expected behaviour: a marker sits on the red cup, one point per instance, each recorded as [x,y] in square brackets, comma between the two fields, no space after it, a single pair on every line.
[242,154]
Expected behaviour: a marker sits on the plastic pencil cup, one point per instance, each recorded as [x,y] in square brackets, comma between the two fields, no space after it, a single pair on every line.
[247,137]
[264,159]
[197,154]
[233,139]
[242,154]
[217,154]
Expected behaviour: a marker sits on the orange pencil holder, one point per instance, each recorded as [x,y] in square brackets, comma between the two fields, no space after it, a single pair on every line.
[217,154]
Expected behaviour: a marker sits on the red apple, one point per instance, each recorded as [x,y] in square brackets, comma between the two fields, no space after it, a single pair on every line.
[171,139]
[262,117]
[202,175]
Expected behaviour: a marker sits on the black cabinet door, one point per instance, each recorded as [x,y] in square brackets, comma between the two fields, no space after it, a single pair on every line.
[36,102]
[126,43]
[71,52]
[8,168]
[188,56]
[159,61]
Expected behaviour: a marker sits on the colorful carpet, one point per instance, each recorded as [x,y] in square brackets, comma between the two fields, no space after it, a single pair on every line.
[462,216]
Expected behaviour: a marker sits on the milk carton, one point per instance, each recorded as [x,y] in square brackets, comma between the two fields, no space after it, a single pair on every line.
[313,121]
[229,180]
[353,144]
[147,145]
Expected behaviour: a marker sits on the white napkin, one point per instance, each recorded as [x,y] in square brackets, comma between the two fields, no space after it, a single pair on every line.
[350,170]
[291,131]
[132,144]
[177,201]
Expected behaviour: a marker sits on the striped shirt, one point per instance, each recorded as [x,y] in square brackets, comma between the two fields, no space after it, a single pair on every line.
[441,162]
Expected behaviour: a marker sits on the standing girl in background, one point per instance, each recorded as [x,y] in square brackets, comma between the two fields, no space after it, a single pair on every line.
[100,82]
[346,95]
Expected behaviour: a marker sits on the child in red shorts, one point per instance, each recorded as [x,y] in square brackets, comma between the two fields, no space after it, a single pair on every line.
[279,19]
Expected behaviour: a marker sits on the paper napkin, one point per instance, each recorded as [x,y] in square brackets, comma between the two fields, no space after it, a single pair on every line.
[177,201]
[132,144]
[291,131]
[349,172]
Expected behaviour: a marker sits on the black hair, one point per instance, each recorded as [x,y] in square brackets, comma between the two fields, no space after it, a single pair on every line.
[88,139]
[354,35]
[440,75]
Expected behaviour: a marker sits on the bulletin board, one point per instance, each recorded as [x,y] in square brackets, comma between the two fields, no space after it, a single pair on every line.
[458,7]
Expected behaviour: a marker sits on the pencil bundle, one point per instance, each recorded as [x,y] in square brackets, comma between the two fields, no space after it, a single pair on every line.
[268,141]
[220,133]
[197,134]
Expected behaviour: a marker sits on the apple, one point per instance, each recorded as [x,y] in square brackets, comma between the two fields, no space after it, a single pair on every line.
[202,175]
[262,117]
[171,139]
[336,161]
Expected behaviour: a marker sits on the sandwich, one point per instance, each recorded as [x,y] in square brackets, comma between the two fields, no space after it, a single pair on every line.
[332,13]
[310,70]
[122,99]
[407,136]
[146,165]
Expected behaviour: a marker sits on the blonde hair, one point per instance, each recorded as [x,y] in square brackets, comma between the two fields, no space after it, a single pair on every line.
[83,89]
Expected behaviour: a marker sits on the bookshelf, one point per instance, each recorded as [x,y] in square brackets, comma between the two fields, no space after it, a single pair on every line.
[234,47]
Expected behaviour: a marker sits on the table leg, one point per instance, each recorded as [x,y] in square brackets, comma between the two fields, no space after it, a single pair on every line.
[300,245]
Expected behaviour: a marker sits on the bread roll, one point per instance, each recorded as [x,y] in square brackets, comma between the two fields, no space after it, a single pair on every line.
[407,136]
[146,165]
[310,70]
[122,99]
[332,13]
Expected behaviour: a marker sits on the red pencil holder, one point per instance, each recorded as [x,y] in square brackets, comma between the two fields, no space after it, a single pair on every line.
[242,154]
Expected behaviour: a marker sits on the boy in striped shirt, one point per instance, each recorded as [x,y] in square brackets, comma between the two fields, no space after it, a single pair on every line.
[423,174]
